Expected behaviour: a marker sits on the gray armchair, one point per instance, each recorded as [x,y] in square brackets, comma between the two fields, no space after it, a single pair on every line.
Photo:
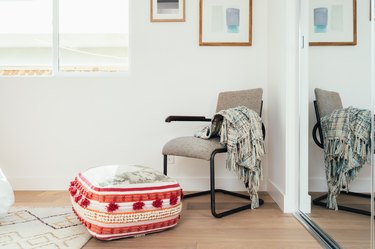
[198,148]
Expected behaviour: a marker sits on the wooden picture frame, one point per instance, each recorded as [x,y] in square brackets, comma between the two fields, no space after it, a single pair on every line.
[225,23]
[167,10]
[333,23]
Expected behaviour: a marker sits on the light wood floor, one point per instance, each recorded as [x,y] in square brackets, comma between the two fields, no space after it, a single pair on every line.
[348,229]
[266,227]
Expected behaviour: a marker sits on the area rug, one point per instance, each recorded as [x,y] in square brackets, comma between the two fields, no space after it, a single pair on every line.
[29,228]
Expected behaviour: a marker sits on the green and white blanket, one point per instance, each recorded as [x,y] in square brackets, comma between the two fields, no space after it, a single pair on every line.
[240,129]
[347,147]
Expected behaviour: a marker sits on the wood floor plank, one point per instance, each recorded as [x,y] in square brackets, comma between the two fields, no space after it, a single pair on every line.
[266,227]
[349,229]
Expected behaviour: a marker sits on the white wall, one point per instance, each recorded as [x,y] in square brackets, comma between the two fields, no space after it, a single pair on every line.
[53,127]
[345,70]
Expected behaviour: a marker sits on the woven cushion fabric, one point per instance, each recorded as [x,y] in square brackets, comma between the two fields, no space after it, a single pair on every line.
[120,201]
[327,101]
[252,99]
[192,147]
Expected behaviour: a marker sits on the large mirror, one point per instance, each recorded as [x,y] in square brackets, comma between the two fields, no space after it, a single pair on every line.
[338,69]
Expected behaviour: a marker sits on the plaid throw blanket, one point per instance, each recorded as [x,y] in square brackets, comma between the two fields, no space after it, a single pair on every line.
[347,147]
[241,130]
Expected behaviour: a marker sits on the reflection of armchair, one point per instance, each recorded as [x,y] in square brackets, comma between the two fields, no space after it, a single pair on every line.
[327,102]
[207,149]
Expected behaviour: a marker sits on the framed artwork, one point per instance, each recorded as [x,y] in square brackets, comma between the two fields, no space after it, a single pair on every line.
[167,11]
[333,22]
[225,22]
[371,10]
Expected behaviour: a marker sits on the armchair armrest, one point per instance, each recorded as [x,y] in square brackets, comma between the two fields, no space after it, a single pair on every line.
[187,118]
[263,131]
[315,135]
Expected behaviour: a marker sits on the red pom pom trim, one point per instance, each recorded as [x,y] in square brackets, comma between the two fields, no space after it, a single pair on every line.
[157,203]
[85,203]
[138,205]
[77,198]
[173,200]
[112,207]
[72,191]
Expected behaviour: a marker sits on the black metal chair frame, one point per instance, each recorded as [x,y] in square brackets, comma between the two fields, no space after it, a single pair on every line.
[212,190]
[319,201]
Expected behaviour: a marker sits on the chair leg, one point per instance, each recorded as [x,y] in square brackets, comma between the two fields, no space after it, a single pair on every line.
[213,191]
[212,187]
[165,164]
[319,201]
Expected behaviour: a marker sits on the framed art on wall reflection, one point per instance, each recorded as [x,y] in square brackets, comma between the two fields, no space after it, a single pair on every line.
[333,22]
[167,10]
[225,22]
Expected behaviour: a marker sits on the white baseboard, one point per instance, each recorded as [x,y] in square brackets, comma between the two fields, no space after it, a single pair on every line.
[40,183]
[360,185]
[276,194]
[203,183]
[187,183]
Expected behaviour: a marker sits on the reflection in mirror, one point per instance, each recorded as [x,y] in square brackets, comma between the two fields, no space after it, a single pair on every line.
[340,120]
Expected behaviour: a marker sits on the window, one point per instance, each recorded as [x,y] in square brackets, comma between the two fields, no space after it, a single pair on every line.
[93,35]
[82,36]
[25,37]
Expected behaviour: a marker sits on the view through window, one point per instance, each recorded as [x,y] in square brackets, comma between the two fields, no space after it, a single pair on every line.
[93,36]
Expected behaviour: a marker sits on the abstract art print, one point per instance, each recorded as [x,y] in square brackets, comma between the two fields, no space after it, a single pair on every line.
[225,23]
[167,10]
[333,22]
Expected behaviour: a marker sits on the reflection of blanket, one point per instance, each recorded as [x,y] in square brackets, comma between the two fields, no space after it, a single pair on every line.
[241,130]
[347,147]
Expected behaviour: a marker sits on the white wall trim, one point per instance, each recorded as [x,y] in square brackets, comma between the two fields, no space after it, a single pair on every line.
[187,183]
[42,183]
[292,115]
[360,185]
[276,194]
[203,183]
[304,197]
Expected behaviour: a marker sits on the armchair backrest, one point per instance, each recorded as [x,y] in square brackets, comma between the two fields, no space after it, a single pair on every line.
[327,101]
[252,99]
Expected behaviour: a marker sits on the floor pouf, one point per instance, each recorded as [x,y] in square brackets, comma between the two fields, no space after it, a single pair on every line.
[125,201]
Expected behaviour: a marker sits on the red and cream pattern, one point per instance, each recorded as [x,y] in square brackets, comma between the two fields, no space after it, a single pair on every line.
[125,201]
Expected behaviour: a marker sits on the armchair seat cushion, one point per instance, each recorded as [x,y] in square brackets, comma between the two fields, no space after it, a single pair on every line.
[192,147]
